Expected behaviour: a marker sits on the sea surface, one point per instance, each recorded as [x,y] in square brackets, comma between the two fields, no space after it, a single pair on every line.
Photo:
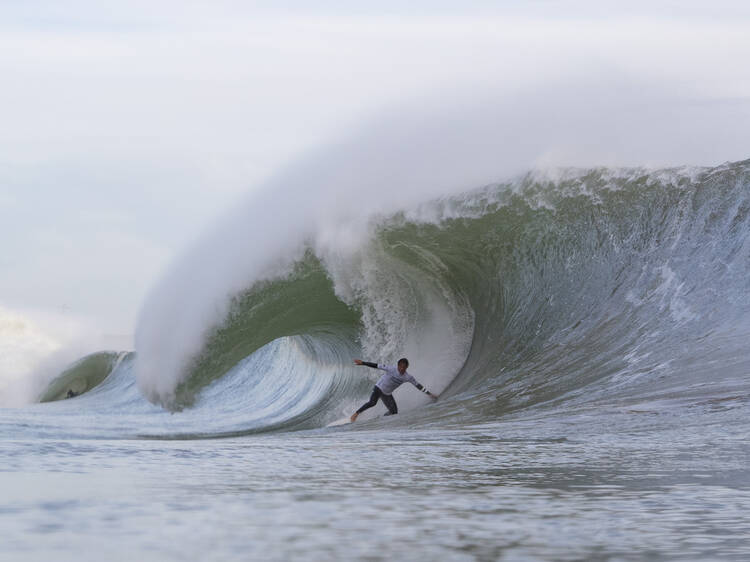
[588,331]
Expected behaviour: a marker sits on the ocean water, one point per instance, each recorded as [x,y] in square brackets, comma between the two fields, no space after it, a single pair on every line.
[588,333]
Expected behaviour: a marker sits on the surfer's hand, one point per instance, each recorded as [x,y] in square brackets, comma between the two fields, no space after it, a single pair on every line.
[434,396]
[357,361]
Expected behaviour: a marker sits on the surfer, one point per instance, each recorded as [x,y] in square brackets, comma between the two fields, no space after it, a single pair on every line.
[390,381]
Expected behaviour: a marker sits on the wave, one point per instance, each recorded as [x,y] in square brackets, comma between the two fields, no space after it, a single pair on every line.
[556,287]
[82,376]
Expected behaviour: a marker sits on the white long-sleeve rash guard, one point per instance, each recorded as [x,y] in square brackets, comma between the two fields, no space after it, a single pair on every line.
[392,379]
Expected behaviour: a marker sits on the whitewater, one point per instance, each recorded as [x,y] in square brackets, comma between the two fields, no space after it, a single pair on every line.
[587,329]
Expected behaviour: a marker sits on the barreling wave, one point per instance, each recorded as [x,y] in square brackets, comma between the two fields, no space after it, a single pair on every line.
[83,375]
[576,285]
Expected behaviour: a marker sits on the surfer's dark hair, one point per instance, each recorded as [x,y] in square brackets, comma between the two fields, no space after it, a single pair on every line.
[403,360]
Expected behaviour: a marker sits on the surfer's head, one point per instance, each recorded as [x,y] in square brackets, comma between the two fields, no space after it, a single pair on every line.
[403,363]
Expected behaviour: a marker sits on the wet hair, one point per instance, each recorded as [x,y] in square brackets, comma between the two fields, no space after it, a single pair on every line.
[403,360]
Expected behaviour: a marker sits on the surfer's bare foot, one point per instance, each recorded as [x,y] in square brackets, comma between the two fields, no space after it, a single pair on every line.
[354,417]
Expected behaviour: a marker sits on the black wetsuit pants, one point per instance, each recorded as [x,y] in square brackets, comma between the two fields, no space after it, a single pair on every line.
[376,395]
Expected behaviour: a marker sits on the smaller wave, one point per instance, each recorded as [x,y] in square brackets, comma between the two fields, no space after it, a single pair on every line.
[82,376]
[290,384]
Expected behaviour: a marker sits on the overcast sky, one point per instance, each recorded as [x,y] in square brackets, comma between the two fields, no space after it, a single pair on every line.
[127,127]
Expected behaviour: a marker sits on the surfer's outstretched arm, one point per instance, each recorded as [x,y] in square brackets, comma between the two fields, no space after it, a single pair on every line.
[413,381]
[366,364]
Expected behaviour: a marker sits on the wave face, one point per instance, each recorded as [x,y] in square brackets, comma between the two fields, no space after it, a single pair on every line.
[574,285]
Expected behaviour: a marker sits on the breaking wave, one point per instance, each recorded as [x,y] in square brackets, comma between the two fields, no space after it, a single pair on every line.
[555,288]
